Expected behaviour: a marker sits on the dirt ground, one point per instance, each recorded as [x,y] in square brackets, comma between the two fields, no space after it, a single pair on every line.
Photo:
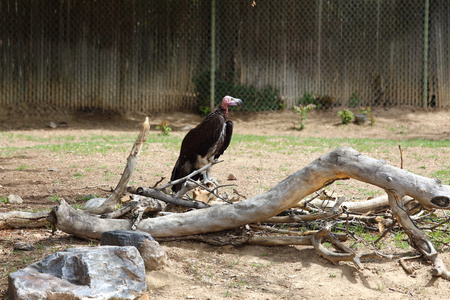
[197,270]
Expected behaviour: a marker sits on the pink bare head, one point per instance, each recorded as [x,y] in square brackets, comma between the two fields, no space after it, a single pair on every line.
[230,101]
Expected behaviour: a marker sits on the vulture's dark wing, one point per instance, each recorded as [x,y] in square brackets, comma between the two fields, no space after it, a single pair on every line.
[207,138]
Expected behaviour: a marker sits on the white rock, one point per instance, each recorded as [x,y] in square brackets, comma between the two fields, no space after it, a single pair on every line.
[14,199]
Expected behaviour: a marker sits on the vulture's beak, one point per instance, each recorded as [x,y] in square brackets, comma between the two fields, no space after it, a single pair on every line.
[236,101]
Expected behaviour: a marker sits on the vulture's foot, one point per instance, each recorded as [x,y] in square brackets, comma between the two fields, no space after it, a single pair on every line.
[209,181]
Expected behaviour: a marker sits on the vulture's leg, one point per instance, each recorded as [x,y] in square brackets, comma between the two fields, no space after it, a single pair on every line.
[207,179]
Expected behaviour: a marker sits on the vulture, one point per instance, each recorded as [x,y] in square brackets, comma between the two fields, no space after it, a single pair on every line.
[205,143]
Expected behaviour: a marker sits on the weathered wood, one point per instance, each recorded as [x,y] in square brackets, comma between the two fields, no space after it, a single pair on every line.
[341,163]
[20,219]
[148,192]
[418,238]
[121,187]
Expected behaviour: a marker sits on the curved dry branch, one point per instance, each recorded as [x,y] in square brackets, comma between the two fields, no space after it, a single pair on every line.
[418,238]
[132,160]
[338,164]
[341,163]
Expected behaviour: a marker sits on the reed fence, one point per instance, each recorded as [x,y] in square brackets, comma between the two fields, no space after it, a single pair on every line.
[158,55]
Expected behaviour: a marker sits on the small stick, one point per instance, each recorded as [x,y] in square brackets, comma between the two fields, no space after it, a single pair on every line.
[386,231]
[239,194]
[401,156]
[158,182]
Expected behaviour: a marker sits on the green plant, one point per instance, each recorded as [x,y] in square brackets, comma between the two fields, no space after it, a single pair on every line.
[4,199]
[164,127]
[78,175]
[257,265]
[302,111]
[308,98]
[367,111]
[108,175]
[204,109]
[346,116]
[255,99]
[364,110]
[320,101]
[354,99]
[54,198]
[78,206]
[238,260]
[401,240]
[86,198]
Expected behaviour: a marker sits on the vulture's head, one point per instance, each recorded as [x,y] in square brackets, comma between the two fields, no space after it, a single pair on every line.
[230,101]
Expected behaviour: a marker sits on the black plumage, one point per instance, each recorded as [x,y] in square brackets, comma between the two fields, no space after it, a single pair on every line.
[204,143]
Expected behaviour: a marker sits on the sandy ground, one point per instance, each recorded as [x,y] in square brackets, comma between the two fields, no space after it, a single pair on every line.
[197,270]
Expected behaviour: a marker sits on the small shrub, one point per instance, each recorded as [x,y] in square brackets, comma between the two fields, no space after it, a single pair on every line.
[204,109]
[346,116]
[303,113]
[164,127]
[367,111]
[255,99]
[364,110]
[320,101]
[308,98]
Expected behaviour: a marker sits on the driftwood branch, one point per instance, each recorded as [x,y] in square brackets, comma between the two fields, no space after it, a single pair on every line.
[20,219]
[341,163]
[148,192]
[338,164]
[418,238]
[114,199]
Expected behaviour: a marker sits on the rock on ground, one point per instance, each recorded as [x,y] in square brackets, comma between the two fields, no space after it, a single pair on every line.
[107,272]
[151,251]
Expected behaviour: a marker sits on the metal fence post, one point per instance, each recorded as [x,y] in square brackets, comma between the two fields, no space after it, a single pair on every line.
[425,53]
[213,54]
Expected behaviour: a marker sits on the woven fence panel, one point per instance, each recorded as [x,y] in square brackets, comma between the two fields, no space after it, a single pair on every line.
[156,55]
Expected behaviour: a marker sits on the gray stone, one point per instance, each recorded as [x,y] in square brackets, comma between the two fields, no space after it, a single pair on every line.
[153,254]
[125,238]
[22,246]
[94,203]
[14,199]
[107,272]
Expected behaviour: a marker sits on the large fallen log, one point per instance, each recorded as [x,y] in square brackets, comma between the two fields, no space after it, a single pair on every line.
[342,163]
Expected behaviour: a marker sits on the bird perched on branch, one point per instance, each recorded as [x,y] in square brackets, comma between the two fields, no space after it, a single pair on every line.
[205,143]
